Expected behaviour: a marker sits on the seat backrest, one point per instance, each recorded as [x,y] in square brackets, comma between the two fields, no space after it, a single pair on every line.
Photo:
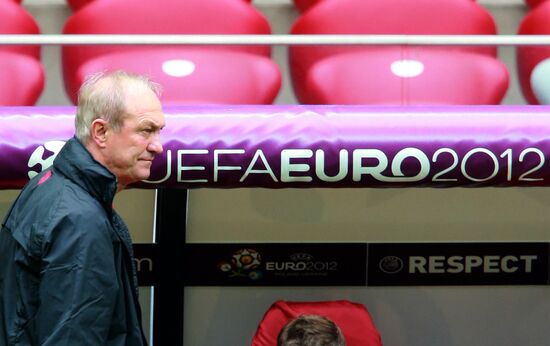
[388,17]
[352,318]
[158,17]
[393,17]
[75,5]
[170,17]
[534,3]
[304,5]
[14,19]
[536,22]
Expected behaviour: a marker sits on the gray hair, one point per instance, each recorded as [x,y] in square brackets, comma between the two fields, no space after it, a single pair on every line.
[106,100]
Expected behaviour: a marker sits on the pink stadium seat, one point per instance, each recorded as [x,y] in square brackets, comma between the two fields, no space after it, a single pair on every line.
[352,318]
[407,76]
[21,79]
[75,5]
[533,62]
[350,73]
[14,19]
[214,74]
[534,3]
[21,73]
[304,5]
[230,77]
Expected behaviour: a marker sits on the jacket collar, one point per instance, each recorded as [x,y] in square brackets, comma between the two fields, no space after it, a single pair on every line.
[77,164]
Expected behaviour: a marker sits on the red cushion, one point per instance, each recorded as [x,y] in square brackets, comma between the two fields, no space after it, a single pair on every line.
[407,76]
[21,79]
[353,319]
[158,17]
[384,17]
[536,22]
[14,19]
[207,75]
[75,5]
[304,5]
[534,3]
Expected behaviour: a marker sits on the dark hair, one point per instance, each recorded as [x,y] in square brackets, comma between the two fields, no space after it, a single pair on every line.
[310,330]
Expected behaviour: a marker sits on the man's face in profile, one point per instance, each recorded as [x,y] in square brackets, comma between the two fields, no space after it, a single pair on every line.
[132,148]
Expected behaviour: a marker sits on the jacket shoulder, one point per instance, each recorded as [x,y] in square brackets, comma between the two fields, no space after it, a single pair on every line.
[51,203]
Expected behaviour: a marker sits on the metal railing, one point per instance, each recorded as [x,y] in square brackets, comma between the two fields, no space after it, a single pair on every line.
[278,40]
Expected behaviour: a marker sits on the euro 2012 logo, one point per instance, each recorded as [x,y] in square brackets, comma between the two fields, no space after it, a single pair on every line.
[244,262]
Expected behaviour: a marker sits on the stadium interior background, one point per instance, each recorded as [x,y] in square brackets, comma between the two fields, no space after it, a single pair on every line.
[427,316]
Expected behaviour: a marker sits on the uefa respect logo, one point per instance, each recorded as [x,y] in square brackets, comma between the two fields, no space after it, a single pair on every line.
[43,156]
[243,263]
[391,264]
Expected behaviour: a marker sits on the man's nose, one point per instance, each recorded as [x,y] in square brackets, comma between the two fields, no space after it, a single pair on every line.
[155,146]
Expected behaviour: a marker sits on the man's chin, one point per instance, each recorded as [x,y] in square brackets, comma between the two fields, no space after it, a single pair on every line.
[140,175]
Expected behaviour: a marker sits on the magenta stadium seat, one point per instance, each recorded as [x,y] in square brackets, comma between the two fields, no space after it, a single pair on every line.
[215,74]
[420,17]
[303,5]
[534,3]
[353,319]
[75,5]
[206,77]
[14,19]
[21,79]
[388,76]
[536,22]
[21,73]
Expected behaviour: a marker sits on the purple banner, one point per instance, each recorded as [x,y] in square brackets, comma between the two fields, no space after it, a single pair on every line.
[311,146]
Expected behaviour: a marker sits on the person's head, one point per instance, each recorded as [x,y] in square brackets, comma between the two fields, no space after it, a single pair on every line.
[310,330]
[119,118]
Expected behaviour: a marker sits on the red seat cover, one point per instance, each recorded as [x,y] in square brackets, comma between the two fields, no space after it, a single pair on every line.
[418,17]
[536,22]
[212,79]
[157,17]
[353,319]
[21,73]
[534,3]
[304,5]
[21,79]
[407,76]
[75,5]
[14,19]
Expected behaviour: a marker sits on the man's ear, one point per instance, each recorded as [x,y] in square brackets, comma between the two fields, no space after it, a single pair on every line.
[99,132]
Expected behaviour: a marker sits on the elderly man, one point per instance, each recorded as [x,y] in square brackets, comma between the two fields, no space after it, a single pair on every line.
[67,275]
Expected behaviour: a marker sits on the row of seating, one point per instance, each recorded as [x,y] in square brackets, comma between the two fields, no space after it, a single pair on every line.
[301,5]
[397,75]
[320,74]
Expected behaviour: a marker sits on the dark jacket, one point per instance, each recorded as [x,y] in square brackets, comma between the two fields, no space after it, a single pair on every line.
[67,276]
